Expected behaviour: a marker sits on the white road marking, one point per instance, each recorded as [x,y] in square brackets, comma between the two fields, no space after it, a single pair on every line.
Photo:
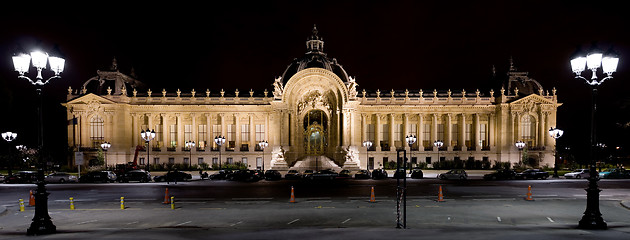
[183,223]
[551,220]
[346,221]
[237,223]
[91,221]
[291,222]
[132,223]
[498,219]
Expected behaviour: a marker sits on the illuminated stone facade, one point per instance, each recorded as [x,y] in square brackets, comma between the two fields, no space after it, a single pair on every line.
[314,115]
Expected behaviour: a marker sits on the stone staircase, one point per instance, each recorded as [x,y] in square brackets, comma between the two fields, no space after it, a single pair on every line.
[313,162]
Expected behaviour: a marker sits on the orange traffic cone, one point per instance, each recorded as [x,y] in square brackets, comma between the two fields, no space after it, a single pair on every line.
[529,194]
[31,200]
[292,200]
[167,200]
[440,196]
[372,198]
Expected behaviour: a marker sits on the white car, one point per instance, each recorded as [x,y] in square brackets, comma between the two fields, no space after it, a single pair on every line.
[578,173]
[60,177]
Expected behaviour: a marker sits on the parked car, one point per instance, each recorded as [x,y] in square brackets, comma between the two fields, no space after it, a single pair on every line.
[220,175]
[500,174]
[245,175]
[459,174]
[532,174]
[98,176]
[1,178]
[363,174]
[22,177]
[324,174]
[60,177]
[344,174]
[293,174]
[136,176]
[307,174]
[273,175]
[379,174]
[173,177]
[417,173]
[400,174]
[615,173]
[578,173]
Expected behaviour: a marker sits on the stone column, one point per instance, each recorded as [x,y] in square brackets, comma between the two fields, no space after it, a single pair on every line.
[392,139]
[420,132]
[476,132]
[252,133]
[209,137]
[180,133]
[363,128]
[165,130]
[491,131]
[134,129]
[462,134]
[405,131]
[449,132]
[434,131]
[377,132]
[195,129]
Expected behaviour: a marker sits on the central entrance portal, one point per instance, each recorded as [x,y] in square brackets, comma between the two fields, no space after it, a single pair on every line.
[315,132]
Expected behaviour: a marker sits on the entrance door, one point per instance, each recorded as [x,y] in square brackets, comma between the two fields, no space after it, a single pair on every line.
[315,132]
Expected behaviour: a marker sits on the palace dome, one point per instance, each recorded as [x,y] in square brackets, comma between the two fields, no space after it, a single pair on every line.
[315,58]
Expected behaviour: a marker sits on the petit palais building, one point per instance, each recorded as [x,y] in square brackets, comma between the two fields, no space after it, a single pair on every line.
[313,118]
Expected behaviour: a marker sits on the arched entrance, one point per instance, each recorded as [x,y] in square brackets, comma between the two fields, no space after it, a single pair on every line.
[315,132]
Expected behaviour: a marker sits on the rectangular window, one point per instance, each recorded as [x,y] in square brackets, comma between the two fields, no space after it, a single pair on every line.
[171,160]
[199,161]
[426,136]
[156,160]
[187,133]
[259,136]
[96,131]
[159,137]
[385,137]
[259,162]
[468,135]
[371,135]
[399,135]
[244,161]
[483,138]
[201,138]
[216,131]
[141,161]
[231,137]
[186,161]
[244,137]
[454,134]
[215,161]
[173,136]
[413,131]
[440,132]
[230,160]
[428,160]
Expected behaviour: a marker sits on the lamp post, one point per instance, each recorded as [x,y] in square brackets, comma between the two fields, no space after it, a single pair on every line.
[219,140]
[21,62]
[520,145]
[411,139]
[147,136]
[595,59]
[555,133]
[190,145]
[367,144]
[438,144]
[9,137]
[263,145]
[105,146]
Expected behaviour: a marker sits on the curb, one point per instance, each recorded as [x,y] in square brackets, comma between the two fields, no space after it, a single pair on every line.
[3,210]
[624,203]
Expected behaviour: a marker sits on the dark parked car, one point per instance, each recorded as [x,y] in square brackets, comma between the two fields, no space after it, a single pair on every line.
[323,174]
[60,177]
[615,173]
[363,174]
[307,174]
[379,174]
[417,173]
[245,175]
[458,174]
[22,177]
[173,176]
[273,175]
[400,174]
[293,174]
[98,176]
[500,174]
[344,174]
[532,174]
[220,175]
[135,176]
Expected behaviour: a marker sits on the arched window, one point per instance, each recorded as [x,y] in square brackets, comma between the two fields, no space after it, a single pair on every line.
[96,131]
[528,130]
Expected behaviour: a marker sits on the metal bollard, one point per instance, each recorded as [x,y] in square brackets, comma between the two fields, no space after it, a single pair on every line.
[172,202]
[122,203]
[21,205]
[71,203]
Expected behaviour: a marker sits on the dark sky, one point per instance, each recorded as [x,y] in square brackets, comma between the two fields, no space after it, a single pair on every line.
[385,44]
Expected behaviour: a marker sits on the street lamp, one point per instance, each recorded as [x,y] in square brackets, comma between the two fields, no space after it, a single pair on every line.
[105,146]
[147,136]
[555,133]
[190,145]
[595,59]
[219,140]
[367,144]
[9,136]
[520,145]
[411,139]
[438,144]
[263,145]
[21,62]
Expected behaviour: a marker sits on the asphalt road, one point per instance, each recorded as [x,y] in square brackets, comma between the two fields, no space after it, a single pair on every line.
[473,209]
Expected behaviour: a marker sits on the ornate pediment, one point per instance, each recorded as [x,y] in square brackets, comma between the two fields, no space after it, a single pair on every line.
[92,99]
[530,103]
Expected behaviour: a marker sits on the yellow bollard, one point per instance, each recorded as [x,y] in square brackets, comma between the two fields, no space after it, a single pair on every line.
[172,202]
[21,205]
[122,203]
[71,203]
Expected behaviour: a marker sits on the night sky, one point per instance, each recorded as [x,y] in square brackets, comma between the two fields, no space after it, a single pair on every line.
[384,44]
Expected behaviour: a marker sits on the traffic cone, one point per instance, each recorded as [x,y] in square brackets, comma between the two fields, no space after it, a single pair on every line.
[440,196]
[529,194]
[292,200]
[166,199]
[372,198]
[31,199]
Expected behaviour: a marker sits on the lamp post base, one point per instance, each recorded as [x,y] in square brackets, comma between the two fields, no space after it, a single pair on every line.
[41,221]
[592,218]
